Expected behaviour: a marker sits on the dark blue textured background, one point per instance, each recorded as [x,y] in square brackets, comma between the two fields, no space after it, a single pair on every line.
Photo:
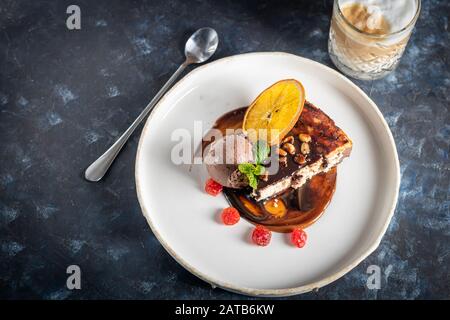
[66,95]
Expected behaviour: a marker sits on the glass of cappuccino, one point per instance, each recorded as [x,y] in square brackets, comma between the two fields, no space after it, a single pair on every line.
[368,37]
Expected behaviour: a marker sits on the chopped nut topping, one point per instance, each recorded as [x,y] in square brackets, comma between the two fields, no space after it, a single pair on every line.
[304,137]
[289,139]
[305,148]
[282,153]
[300,159]
[289,147]
[283,161]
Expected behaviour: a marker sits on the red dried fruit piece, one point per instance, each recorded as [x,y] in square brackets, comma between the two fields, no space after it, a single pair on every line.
[212,187]
[261,236]
[298,238]
[230,216]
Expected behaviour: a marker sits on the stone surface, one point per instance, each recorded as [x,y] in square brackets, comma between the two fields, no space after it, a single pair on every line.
[65,95]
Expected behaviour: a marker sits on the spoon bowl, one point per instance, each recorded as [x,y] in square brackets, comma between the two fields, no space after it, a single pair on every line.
[201,45]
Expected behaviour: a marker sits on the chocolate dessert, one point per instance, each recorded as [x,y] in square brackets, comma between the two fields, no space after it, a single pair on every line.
[297,194]
[280,127]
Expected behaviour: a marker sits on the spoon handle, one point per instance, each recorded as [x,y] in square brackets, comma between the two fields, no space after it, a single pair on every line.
[99,167]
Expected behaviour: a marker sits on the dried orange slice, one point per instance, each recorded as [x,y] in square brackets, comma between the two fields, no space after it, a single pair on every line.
[275,111]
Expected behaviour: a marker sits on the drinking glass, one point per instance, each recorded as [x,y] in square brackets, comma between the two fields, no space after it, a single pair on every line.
[363,43]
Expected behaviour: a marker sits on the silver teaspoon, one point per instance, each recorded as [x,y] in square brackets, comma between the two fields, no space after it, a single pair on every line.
[199,48]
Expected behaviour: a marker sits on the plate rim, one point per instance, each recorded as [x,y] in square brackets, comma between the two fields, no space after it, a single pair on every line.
[285,291]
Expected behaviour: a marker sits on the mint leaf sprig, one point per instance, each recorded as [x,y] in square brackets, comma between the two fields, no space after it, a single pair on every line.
[253,170]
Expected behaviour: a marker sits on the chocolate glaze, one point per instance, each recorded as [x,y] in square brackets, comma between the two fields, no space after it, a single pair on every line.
[292,208]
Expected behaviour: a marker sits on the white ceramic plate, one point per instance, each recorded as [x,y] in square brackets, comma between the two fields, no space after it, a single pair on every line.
[186,220]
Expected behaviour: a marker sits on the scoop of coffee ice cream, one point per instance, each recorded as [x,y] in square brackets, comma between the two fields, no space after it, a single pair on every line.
[223,156]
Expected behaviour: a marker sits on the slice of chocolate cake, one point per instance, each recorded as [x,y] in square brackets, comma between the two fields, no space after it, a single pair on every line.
[314,145]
